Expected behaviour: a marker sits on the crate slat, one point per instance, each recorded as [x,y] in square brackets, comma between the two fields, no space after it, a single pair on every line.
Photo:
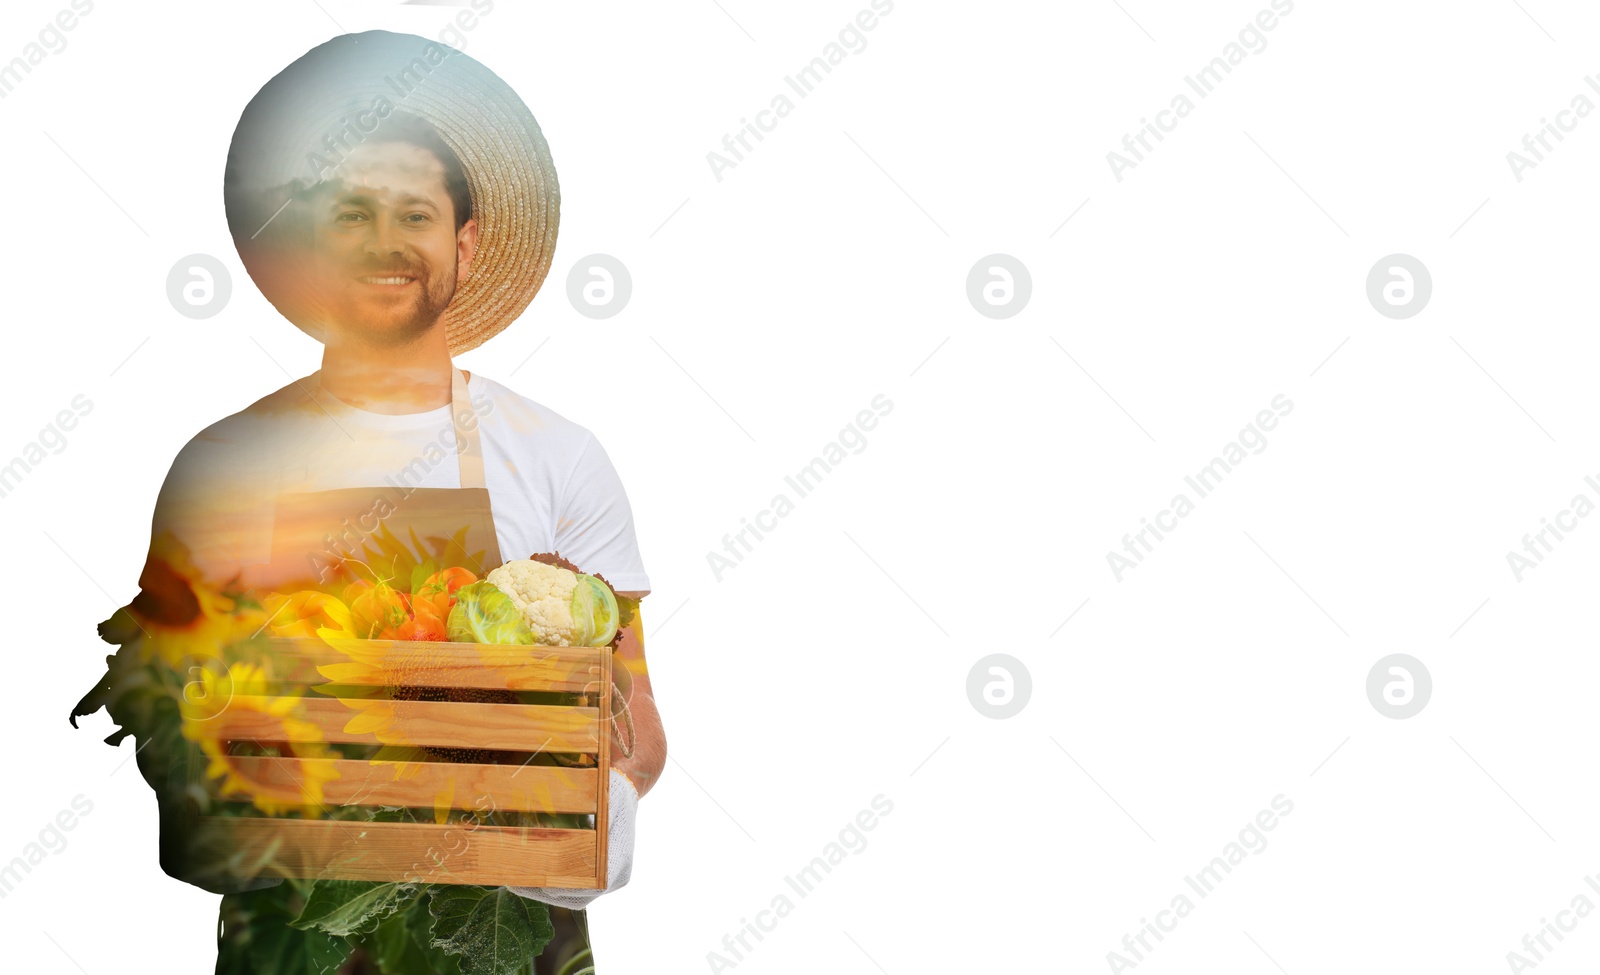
[603,817]
[441,664]
[425,852]
[518,788]
[456,724]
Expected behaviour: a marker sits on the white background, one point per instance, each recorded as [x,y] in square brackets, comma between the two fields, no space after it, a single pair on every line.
[828,267]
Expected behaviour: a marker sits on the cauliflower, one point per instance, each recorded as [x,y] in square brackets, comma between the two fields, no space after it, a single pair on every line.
[563,607]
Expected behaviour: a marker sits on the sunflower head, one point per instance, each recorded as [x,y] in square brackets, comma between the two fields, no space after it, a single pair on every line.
[178,615]
[208,706]
[303,613]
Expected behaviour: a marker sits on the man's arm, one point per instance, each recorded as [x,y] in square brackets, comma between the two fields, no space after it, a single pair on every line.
[650,741]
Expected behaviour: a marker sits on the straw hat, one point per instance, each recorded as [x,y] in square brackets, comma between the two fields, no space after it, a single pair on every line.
[293,134]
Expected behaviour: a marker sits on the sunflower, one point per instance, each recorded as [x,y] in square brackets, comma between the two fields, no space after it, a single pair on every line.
[178,616]
[372,670]
[303,613]
[374,676]
[244,688]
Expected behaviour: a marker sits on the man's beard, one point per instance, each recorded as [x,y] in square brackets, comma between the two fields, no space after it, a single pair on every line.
[395,325]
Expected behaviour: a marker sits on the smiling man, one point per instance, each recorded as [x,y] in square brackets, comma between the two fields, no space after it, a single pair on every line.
[430,234]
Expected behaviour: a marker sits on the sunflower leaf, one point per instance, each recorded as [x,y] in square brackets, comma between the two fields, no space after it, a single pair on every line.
[490,930]
[346,907]
[401,944]
[257,939]
[420,574]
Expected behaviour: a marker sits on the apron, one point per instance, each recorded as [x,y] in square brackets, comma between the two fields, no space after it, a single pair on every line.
[316,535]
[319,536]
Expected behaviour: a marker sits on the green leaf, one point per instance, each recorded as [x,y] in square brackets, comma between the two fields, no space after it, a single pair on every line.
[595,614]
[420,574]
[419,921]
[393,948]
[401,944]
[285,951]
[485,614]
[346,907]
[491,930]
[258,940]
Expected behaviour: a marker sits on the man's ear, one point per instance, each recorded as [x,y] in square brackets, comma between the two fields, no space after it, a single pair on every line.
[466,247]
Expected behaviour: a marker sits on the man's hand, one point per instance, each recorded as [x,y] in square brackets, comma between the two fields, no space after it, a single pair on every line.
[641,769]
[650,741]
[619,853]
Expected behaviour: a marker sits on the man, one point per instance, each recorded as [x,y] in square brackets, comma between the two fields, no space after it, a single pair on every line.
[398,255]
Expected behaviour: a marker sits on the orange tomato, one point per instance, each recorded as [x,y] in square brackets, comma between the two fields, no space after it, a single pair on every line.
[422,627]
[376,609]
[436,595]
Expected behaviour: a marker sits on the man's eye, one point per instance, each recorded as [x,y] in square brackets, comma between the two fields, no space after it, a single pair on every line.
[350,216]
[418,217]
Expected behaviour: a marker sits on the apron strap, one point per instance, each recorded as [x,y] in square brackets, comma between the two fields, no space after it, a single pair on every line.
[469,445]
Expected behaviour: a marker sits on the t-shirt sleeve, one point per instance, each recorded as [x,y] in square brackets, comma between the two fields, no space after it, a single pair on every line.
[594,523]
[214,503]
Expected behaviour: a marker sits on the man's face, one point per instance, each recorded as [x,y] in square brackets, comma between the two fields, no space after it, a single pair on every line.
[386,256]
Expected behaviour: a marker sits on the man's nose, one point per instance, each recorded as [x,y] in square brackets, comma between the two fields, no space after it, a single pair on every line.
[383,240]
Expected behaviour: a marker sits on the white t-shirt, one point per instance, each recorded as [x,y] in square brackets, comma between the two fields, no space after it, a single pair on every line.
[552,487]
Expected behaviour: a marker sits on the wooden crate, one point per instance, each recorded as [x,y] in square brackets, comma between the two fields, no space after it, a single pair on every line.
[428,852]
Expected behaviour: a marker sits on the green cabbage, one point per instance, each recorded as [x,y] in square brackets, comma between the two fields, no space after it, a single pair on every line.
[484,614]
[594,613]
